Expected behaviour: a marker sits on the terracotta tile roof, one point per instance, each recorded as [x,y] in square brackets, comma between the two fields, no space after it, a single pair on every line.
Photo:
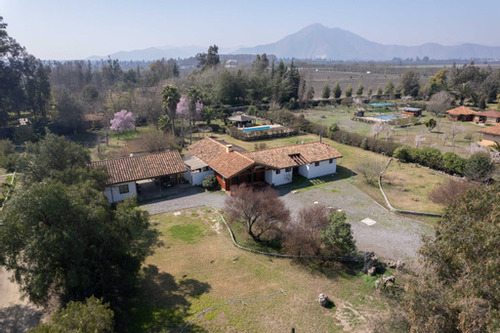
[461,110]
[127,169]
[289,156]
[231,164]
[494,130]
[214,153]
[488,113]
[207,149]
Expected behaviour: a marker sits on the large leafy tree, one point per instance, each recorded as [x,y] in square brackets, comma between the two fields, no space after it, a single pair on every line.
[458,290]
[61,237]
[410,83]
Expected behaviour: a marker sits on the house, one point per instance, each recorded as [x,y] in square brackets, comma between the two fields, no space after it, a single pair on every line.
[126,171]
[487,117]
[412,112]
[490,135]
[462,113]
[276,166]
[242,120]
[197,170]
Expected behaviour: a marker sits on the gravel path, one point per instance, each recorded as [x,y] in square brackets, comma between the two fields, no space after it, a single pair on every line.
[392,237]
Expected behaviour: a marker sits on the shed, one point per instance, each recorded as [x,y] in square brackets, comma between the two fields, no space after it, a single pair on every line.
[413,112]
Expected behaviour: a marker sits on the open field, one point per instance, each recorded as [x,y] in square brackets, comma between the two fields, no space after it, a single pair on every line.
[439,138]
[205,269]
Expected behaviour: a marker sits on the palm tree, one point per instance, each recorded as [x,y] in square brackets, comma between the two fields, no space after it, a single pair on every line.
[170,97]
[463,91]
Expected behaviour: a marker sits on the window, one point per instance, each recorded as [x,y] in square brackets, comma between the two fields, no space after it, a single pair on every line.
[278,172]
[123,189]
[330,160]
[288,169]
[316,163]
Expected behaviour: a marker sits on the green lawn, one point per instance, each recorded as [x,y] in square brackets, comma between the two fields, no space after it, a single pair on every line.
[185,277]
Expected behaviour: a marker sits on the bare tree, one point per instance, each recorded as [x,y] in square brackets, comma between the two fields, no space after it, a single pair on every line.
[260,211]
[370,170]
[419,138]
[439,103]
[454,131]
[303,237]
[377,128]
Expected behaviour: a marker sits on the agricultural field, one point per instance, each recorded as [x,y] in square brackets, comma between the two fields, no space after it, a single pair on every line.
[205,269]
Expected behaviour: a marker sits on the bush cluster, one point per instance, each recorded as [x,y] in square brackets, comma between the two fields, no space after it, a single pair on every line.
[478,167]
[367,143]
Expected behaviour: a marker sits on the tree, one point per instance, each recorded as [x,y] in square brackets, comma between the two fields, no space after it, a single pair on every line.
[389,88]
[337,91]
[462,92]
[410,83]
[210,182]
[458,289]
[303,237]
[337,236]
[371,170]
[61,237]
[348,91]
[325,94]
[430,124]
[170,98]
[260,211]
[359,90]
[439,103]
[90,317]
[479,167]
[209,59]
[123,120]
[73,244]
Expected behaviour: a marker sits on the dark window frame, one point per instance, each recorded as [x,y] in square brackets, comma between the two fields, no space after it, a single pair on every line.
[123,189]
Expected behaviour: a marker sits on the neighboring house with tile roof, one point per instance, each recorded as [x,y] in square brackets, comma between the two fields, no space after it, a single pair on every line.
[275,166]
[126,171]
[487,117]
[491,135]
[462,113]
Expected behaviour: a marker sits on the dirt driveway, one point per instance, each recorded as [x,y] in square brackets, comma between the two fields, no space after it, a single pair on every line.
[391,237]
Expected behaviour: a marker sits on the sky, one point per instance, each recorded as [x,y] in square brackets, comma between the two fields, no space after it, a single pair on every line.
[77,29]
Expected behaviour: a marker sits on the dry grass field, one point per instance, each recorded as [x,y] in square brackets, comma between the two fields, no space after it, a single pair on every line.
[205,269]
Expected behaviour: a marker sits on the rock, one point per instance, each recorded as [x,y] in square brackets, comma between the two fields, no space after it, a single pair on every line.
[324,301]
[387,279]
[400,264]
[371,264]
[377,284]
[392,264]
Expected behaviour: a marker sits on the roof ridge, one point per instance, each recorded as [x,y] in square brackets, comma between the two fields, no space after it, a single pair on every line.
[281,147]
[136,156]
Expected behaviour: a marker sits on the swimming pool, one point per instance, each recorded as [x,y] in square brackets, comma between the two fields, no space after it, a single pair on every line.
[256,128]
[387,117]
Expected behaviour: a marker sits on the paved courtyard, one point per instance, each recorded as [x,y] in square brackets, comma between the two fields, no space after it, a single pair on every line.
[391,236]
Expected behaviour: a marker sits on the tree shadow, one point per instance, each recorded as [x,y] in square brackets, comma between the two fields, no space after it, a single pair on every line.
[19,318]
[162,304]
[300,182]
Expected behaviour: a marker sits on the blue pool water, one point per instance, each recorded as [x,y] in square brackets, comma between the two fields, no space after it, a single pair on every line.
[386,117]
[255,128]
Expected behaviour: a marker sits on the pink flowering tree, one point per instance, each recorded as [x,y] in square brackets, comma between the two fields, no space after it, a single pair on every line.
[190,106]
[122,121]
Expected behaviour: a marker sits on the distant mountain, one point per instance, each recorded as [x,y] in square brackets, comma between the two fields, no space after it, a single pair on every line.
[319,42]
[154,53]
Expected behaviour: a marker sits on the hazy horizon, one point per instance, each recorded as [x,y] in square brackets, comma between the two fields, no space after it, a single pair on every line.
[60,30]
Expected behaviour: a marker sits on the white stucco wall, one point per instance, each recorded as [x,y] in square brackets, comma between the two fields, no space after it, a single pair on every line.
[113,193]
[196,178]
[278,179]
[324,168]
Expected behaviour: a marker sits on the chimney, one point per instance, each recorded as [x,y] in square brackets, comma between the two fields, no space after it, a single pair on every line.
[229,148]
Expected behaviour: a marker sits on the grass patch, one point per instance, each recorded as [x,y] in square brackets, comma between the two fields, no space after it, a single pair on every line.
[183,279]
[190,233]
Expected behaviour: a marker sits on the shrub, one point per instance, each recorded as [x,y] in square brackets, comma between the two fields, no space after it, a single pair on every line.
[453,164]
[403,154]
[364,144]
[431,157]
[447,193]
[210,183]
[479,167]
